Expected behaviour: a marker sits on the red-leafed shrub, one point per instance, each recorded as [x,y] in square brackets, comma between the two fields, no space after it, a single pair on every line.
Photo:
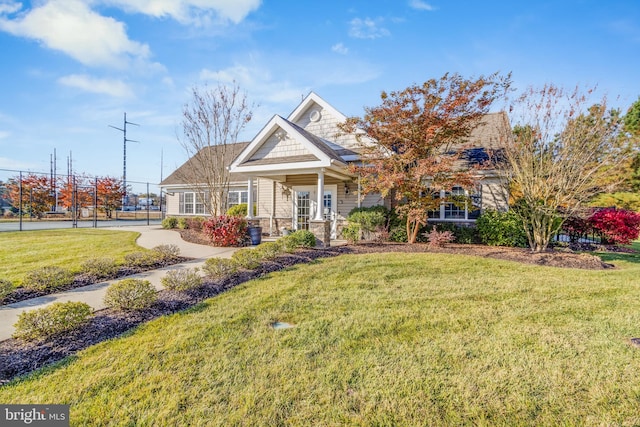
[576,227]
[616,226]
[226,230]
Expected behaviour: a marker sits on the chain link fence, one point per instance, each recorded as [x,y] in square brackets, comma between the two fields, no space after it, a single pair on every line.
[36,200]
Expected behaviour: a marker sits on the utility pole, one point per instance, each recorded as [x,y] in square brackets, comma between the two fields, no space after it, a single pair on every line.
[124,157]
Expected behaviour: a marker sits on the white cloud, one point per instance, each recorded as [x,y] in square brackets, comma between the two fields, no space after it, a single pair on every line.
[258,83]
[340,48]
[191,11]
[367,28]
[115,88]
[71,27]
[4,134]
[10,7]
[421,5]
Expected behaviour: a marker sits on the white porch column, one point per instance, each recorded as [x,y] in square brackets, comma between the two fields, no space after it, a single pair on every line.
[250,198]
[320,198]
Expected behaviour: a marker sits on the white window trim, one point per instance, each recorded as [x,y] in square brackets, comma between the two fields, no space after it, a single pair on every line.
[443,207]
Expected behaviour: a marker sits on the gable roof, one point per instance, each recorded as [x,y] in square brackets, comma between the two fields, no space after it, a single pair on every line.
[310,150]
[308,101]
[185,173]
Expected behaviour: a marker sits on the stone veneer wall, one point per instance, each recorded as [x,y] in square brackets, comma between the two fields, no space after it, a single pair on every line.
[322,231]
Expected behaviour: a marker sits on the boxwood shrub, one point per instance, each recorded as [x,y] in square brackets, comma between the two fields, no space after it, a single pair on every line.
[51,320]
[130,294]
[6,287]
[48,278]
[219,268]
[182,279]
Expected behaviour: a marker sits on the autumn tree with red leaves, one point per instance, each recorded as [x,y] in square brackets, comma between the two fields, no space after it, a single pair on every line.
[110,193]
[37,193]
[76,190]
[414,131]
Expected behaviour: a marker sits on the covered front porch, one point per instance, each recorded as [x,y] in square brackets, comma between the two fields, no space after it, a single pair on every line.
[317,200]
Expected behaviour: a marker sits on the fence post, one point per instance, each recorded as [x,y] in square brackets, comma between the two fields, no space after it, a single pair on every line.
[95,202]
[20,207]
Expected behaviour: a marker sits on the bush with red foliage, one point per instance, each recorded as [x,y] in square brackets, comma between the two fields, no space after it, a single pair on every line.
[226,230]
[617,226]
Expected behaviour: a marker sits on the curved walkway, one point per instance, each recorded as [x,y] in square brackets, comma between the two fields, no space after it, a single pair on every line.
[150,237]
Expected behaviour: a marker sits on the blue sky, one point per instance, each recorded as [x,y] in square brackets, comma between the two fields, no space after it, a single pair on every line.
[70,68]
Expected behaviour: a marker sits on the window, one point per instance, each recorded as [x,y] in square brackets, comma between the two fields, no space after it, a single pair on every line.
[467,207]
[192,203]
[237,197]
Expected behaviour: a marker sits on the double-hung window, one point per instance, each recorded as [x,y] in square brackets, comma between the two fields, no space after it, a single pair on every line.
[193,203]
[458,205]
[237,197]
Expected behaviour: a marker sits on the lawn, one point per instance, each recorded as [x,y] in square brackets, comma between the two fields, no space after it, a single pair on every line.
[379,339]
[23,251]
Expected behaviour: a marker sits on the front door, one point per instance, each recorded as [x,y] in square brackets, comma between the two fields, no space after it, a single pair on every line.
[305,206]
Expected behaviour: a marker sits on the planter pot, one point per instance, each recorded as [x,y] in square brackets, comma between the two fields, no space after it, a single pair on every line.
[255,233]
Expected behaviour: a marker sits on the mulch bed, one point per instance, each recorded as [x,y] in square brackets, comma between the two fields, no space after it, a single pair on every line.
[18,357]
[80,280]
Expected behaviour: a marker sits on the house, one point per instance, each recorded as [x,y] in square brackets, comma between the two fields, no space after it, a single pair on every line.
[295,172]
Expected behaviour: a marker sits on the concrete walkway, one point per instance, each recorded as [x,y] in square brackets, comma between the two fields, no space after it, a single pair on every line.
[150,237]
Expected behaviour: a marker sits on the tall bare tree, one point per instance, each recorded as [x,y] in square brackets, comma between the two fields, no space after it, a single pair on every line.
[562,150]
[211,123]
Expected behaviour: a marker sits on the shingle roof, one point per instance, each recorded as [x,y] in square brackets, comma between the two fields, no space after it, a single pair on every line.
[185,172]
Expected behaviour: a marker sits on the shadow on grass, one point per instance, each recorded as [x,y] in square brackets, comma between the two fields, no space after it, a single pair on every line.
[612,257]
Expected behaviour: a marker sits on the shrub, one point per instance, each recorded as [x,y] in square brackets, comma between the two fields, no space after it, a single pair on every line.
[219,267]
[576,227]
[51,320]
[167,252]
[289,244]
[501,229]
[182,280]
[130,294]
[100,268]
[183,224]
[226,230]
[370,219]
[303,238]
[398,234]
[142,259]
[352,232]
[6,287]
[240,210]
[437,239]
[195,223]
[170,222]
[48,278]
[246,258]
[616,226]
[462,234]
[269,250]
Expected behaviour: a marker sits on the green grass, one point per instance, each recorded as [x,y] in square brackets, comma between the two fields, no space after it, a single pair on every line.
[380,339]
[24,251]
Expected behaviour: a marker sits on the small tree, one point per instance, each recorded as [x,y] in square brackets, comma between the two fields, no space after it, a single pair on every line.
[37,193]
[560,154]
[211,123]
[414,131]
[110,193]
